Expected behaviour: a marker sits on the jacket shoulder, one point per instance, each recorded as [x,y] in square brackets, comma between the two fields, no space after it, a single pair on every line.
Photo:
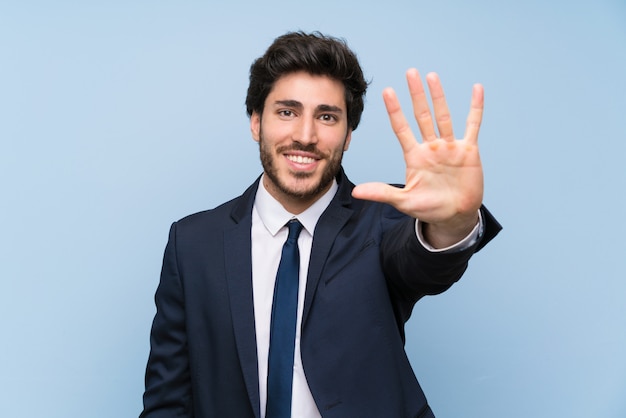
[224,215]
[217,214]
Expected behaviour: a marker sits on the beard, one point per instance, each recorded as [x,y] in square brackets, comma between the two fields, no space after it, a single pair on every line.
[312,191]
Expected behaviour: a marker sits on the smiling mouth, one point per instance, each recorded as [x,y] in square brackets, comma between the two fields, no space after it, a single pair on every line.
[299,159]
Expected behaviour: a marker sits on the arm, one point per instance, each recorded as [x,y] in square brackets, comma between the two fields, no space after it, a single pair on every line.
[444,177]
[414,271]
[168,385]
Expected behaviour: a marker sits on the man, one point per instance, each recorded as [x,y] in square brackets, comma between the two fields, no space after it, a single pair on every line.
[223,343]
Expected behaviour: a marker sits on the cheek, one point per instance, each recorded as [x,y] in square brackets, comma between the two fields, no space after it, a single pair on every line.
[341,144]
[276,134]
[333,138]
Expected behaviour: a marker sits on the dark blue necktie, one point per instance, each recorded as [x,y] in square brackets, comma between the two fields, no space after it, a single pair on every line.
[283,327]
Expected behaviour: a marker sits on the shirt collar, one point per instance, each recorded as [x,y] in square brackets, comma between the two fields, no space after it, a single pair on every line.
[274,216]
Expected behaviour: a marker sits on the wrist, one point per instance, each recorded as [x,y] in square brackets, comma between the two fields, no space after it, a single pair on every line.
[445,234]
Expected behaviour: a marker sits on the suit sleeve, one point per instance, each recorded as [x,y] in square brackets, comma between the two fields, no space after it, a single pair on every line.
[413,271]
[168,385]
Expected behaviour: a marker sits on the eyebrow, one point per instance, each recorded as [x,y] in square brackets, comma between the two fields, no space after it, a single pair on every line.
[298,105]
[329,108]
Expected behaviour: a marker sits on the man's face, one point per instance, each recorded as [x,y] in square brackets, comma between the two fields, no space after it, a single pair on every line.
[302,135]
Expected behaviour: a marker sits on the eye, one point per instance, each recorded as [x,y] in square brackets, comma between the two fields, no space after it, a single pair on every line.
[285,113]
[329,118]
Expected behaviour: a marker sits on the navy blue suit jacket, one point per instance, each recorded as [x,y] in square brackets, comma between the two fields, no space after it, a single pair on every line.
[366,272]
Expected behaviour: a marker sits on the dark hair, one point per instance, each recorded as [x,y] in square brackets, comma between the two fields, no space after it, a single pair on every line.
[316,54]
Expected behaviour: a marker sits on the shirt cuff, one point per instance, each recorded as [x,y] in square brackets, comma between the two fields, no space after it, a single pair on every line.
[464,244]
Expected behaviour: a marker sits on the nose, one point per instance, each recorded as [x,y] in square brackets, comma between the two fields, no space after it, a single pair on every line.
[305,132]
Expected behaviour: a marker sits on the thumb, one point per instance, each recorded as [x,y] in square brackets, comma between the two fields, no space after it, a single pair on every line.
[377,192]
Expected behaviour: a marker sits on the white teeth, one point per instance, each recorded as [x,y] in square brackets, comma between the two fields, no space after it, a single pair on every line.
[300,159]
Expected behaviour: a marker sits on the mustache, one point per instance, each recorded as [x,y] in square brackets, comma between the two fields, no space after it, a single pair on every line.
[296,146]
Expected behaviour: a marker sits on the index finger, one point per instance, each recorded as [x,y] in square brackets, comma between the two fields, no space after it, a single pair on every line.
[399,123]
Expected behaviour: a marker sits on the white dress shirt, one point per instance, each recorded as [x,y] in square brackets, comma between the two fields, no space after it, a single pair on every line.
[269,233]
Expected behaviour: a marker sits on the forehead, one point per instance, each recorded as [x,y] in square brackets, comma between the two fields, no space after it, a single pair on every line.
[308,89]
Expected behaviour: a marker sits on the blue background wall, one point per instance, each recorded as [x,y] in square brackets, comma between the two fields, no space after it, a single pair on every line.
[119,117]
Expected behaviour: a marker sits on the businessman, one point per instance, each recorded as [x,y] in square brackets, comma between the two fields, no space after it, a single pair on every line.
[291,299]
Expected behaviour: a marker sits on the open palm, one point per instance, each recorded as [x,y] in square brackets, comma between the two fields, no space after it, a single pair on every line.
[444,177]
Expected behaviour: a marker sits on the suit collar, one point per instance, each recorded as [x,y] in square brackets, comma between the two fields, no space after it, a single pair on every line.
[344,194]
[243,208]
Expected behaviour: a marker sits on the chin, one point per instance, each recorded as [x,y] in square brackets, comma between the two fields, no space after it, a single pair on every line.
[300,189]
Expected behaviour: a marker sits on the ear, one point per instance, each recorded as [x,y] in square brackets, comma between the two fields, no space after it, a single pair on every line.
[346,145]
[255,126]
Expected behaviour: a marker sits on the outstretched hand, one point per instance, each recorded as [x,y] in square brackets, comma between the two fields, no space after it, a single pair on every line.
[444,176]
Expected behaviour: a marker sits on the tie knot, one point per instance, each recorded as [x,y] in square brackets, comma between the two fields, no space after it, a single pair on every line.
[294,228]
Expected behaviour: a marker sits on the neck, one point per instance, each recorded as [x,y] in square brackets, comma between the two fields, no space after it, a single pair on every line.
[292,203]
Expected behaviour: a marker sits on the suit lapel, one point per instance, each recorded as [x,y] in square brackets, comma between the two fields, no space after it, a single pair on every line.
[238,259]
[330,223]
